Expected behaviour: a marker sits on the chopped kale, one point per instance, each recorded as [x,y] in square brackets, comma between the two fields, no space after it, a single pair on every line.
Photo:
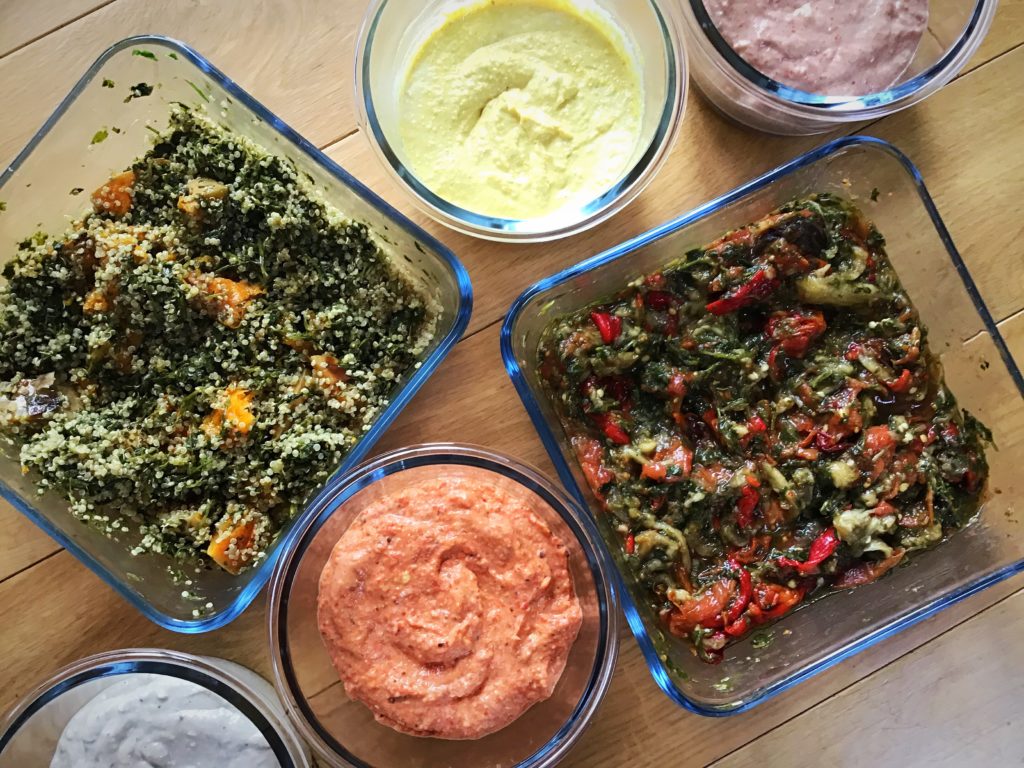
[764,420]
[138,91]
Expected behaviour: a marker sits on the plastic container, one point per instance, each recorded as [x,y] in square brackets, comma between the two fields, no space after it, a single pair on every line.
[955,30]
[393,31]
[29,732]
[343,732]
[61,158]
[979,370]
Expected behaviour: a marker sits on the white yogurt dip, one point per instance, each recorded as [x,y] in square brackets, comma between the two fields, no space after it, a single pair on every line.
[827,47]
[155,721]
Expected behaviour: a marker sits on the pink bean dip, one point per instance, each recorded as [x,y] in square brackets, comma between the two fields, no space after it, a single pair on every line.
[827,47]
[448,608]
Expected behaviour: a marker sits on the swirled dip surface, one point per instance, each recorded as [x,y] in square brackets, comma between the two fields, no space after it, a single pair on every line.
[448,608]
[154,720]
[518,108]
[829,47]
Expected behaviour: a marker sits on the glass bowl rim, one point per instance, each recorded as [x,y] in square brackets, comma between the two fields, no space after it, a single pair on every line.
[586,216]
[278,731]
[980,19]
[565,474]
[399,399]
[434,454]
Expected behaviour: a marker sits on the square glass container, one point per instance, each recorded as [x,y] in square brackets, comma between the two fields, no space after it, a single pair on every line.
[97,131]
[978,368]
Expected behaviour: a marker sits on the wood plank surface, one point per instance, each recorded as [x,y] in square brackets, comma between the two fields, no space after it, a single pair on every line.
[940,706]
[24,21]
[296,58]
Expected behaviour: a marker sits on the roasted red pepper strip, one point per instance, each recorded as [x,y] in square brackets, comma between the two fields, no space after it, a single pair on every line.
[591,457]
[901,384]
[749,498]
[746,591]
[756,425]
[796,330]
[610,428]
[865,573]
[630,544]
[756,288]
[791,599]
[822,549]
[608,325]
[738,628]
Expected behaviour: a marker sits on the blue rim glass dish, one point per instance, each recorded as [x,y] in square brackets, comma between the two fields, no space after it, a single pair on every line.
[343,732]
[392,32]
[956,28]
[95,132]
[978,367]
[30,731]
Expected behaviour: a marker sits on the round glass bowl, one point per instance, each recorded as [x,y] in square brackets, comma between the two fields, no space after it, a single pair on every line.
[394,30]
[342,731]
[955,30]
[29,733]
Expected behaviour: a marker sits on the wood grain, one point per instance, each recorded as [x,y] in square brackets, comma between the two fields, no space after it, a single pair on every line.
[22,543]
[967,144]
[24,21]
[1005,31]
[950,703]
[59,612]
[296,58]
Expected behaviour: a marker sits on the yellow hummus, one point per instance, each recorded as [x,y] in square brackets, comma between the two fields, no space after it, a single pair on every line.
[518,108]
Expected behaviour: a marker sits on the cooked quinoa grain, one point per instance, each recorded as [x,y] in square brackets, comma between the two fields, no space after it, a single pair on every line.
[197,354]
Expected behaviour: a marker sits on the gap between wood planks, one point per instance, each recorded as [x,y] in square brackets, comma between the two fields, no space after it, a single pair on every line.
[60,26]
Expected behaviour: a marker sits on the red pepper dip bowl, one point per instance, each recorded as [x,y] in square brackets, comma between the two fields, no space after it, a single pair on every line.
[343,731]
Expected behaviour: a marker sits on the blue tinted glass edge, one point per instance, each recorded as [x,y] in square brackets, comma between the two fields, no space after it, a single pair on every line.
[551,444]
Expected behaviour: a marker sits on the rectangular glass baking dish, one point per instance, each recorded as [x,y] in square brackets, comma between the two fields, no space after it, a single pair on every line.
[97,131]
[979,369]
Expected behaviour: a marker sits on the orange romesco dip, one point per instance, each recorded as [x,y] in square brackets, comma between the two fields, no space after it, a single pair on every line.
[448,608]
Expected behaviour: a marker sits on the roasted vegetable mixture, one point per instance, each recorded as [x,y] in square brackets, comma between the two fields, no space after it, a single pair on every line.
[763,421]
[197,354]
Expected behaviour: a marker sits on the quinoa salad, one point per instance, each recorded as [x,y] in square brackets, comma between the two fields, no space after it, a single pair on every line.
[196,355]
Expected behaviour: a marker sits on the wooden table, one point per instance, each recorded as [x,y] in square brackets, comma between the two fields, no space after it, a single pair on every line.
[946,692]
